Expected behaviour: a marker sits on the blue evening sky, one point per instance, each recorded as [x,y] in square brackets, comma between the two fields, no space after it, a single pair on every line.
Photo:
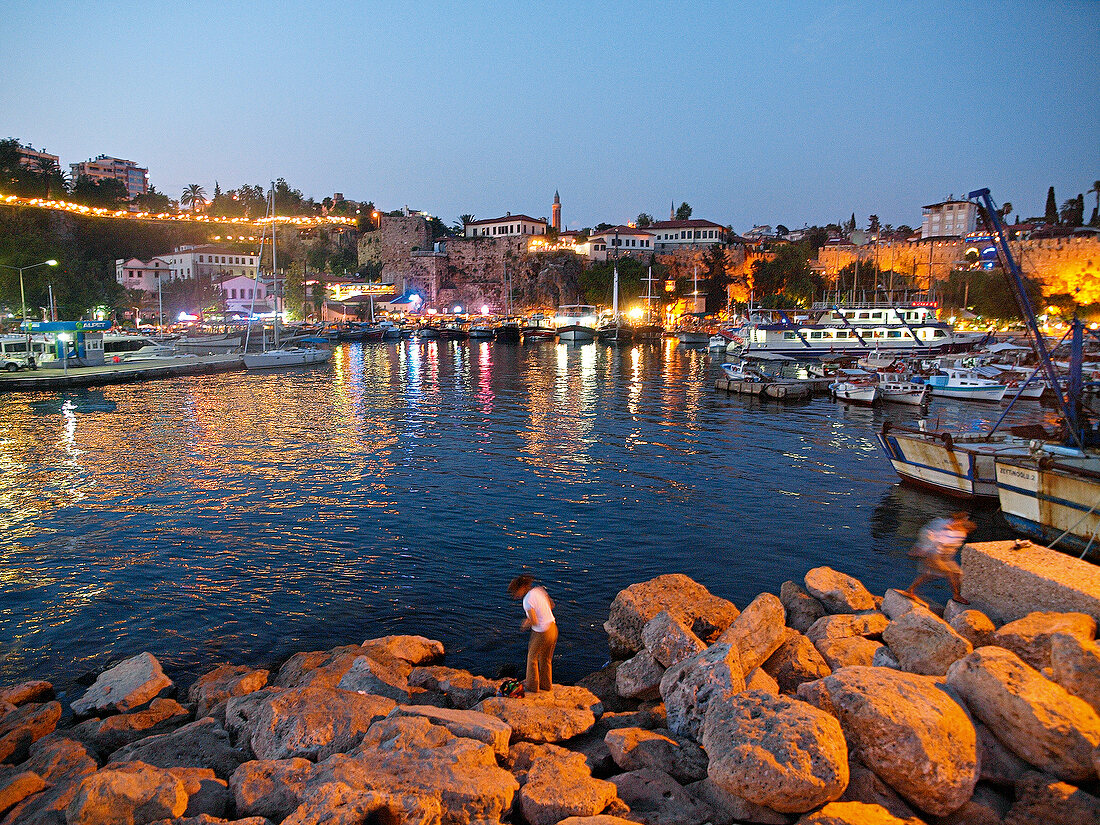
[753,112]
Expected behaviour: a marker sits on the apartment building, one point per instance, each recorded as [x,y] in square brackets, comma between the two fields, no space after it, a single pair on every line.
[134,177]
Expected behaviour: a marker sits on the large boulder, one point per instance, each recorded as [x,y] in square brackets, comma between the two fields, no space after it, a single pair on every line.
[1075,665]
[639,677]
[801,609]
[126,686]
[854,813]
[924,643]
[127,795]
[22,727]
[367,675]
[1030,637]
[1040,799]
[847,651]
[240,712]
[662,750]
[20,694]
[120,730]
[411,650]
[910,732]
[757,632]
[547,716]
[206,794]
[864,785]
[896,604]
[669,640]
[686,600]
[222,684]
[999,765]
[689,687]
[974,626]
[775,751]
[838,592]
[201,744]
[62,764]
[1035,718]
[462,688]
[795,661]
[313,722]
[469,723]
[558,785]
[758,679]
[845,625]
[16,785]
[655,798]
[270,788]
[410,755]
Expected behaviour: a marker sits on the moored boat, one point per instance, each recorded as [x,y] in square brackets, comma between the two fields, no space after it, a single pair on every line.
[966,385]
[1052,496]
[576,323]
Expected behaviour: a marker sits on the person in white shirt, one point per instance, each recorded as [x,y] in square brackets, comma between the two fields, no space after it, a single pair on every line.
[937,544]
[539,610]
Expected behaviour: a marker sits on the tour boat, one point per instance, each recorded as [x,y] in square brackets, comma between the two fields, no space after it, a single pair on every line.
[886,329]
[951,382]
[576,323]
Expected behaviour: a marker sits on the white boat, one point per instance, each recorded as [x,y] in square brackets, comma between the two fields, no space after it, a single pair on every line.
[1053,495]
[856,392]
[960,464]
[718,343]
[576,322]
[741,372]
[122,347]
[897,391]
[966,385]
[286,357]
[208,344]
[885,329]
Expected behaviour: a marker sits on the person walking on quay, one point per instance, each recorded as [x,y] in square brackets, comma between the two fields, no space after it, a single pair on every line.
[937,544]
[539,610]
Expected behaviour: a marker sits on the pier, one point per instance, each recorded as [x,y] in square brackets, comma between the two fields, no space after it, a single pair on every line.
[781,389]
[122,373]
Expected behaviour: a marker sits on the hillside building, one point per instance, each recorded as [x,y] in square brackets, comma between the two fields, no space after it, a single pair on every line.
[135,178]
[144,275]
[508,225]
[669,236]
[620,241]
[948,219]
[30,158]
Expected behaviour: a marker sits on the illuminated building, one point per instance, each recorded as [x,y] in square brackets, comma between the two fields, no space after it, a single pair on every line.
[242,294]
[555,212]
[620,240]
[144,275]
[189,261]
[508,225]
[135,178]
[689,234]
[949,219]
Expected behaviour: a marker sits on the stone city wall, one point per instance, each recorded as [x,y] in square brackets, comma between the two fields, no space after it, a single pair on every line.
[1061,265]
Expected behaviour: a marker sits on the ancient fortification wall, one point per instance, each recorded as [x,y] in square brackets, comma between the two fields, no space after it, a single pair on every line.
[1061,265]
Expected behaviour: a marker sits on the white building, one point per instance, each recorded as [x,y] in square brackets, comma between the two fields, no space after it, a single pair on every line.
[213,261]
[143,275]
[671,235]
[135,178]
[949,219]
[242,294]
[619,240]
[508,225]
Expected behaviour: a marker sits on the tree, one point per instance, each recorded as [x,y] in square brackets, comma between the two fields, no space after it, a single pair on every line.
[193,197]
[683,211]
[294,293]
[1052,207]
[317,296]
[644,219]
[153,201]
[1072,212]
[781,231]
[717,278]
[108,193]
[850,225]
[50,172]
[1006,210]
[873,224]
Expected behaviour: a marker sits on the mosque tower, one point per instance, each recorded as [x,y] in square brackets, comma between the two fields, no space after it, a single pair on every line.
[555,220]
[672,211]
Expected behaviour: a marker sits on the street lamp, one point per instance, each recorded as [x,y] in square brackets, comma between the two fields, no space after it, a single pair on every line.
[19,269]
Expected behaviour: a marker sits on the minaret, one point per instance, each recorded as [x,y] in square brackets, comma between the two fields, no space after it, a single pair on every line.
[672,210]
[555,219]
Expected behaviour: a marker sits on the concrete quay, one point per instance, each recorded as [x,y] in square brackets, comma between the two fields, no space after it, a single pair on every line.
[122,373]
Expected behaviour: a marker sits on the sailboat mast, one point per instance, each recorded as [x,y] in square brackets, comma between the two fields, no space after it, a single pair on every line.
[615,295]
[274,268]
[259,262]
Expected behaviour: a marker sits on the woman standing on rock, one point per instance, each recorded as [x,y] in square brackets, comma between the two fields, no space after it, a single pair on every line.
[538,606]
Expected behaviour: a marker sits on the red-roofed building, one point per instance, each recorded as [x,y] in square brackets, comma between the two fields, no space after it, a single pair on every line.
[508,225]
[672,235]
[621,240]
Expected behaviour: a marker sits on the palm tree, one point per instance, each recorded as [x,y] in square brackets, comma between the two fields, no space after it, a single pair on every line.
[1006,210]
[1095,188]
[194,196]
[48,169]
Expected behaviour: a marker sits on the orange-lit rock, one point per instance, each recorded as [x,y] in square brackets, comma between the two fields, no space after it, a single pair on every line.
[795,661]
[909,731]
[270,788]
[686,600]
[1035,718]
[668,640]
[1076,667]
[800,608]
[846,625]
[546,716]
[854,813]
[201,744]
[662,750]
[24,726]
[222,684]
[557,784]
[1030,637]
[775,751]
[924,643]
[126,793]
[757,632]
[690,687]
[125,686]
[838,592]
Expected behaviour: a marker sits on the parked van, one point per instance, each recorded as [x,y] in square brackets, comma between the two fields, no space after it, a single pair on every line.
[17,353]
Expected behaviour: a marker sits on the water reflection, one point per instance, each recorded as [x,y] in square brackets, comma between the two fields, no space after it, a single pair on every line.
[247,516]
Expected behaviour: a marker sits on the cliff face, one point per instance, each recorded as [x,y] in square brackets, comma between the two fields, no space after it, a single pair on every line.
[1061,265]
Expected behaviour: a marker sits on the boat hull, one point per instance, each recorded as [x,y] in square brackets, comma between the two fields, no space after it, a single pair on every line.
[855,393]
[1046,502]
[945,465]
[274,359]
[575,333]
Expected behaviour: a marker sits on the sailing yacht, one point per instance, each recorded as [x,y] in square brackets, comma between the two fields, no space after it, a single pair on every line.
[614,332]
[649,330]
[295,356]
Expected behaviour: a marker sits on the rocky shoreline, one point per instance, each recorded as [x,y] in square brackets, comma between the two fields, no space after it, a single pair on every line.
[824,704]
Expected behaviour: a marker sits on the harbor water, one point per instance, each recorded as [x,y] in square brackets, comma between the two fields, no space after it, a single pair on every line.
[243,517]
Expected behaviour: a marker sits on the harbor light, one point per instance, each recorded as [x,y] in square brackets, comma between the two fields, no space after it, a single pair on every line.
[484,309]
[458,309]
[635,314]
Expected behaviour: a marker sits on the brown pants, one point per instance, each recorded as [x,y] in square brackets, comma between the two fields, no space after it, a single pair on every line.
[540,654]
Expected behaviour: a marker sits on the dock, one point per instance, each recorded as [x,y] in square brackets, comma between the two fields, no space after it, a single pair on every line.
[781,389]
[122,373]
